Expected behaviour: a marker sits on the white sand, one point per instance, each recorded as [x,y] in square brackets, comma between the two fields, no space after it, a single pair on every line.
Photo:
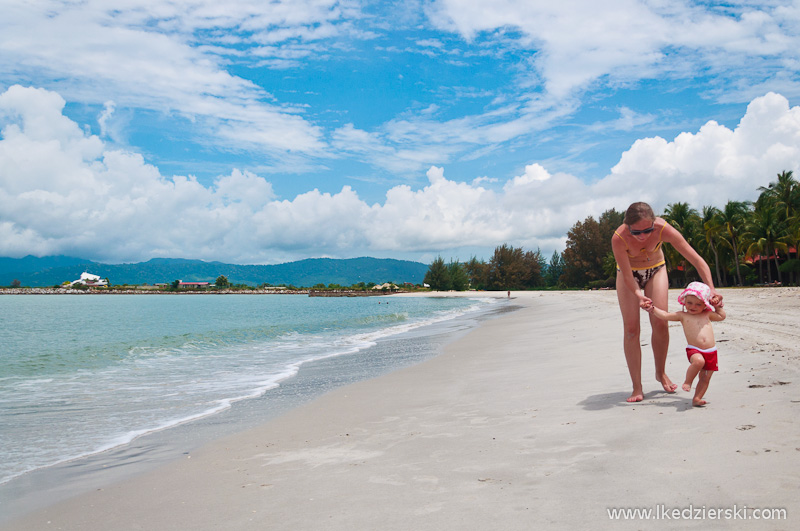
[521,424]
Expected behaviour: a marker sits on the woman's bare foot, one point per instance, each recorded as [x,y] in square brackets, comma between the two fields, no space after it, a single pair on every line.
[636,396]
[666,383]
[698,402]
[687,386]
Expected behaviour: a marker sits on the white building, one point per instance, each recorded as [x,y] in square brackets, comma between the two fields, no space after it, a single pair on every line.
[89,280]
[388,286]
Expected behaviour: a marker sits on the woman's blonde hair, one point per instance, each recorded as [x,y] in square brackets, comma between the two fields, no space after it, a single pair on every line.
[637,212]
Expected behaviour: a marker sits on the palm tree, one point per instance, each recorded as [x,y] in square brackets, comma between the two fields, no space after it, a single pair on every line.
[712,229]
[686,221]
[784,194]
[793,240]
[732,218]
[765,235]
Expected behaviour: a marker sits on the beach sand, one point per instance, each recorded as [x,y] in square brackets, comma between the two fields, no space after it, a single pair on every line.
[520,424]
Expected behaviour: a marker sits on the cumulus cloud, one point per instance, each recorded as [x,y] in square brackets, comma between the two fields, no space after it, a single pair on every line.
[64,191]
[716,164]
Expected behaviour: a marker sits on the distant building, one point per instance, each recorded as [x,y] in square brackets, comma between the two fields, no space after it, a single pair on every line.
[388,286]
[90,280]
[195,285]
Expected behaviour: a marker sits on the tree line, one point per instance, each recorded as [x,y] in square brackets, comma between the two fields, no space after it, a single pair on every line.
[509,268]
[744,243]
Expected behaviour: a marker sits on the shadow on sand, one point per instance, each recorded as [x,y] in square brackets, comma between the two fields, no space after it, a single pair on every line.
[651,399]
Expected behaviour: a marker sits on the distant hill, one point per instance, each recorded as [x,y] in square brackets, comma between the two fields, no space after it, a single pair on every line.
[51,270]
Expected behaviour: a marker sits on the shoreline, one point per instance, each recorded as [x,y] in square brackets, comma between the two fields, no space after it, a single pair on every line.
[255,291]
[520,422]
[155,447]
[67,291]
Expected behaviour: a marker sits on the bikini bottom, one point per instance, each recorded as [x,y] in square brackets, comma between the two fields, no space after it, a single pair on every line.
[643,276]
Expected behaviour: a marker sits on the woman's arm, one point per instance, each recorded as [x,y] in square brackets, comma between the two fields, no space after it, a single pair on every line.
[618,247]
[671,235]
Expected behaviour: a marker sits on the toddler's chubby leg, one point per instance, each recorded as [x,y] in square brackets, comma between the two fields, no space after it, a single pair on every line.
[695,366]
[702,387]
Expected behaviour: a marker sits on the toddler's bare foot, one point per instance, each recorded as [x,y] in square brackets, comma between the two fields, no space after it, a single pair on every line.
[687,386]
[698,402]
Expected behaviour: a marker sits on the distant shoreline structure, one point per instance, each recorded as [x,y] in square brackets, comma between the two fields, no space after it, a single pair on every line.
[309,292]
[61,291]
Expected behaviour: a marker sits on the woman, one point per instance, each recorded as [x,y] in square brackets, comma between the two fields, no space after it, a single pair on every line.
[642,279]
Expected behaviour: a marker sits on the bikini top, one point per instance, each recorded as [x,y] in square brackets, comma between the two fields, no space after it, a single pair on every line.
[643,252]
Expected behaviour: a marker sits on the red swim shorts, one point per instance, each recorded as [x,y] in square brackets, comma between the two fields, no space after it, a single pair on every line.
[710,356]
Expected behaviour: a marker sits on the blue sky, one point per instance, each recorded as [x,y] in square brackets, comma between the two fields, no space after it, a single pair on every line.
[263,132]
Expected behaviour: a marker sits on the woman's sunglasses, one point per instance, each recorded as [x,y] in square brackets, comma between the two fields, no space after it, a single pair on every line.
[643,231]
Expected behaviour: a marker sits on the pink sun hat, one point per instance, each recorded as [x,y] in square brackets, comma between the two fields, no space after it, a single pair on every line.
[699,290]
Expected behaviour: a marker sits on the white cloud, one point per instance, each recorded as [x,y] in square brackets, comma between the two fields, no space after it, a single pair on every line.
[105,116]
[186,59]
[149,54]
[63,191]
[582,41]
[716,163]
[564,50]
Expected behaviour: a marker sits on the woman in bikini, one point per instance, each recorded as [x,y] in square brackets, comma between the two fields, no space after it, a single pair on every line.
[642,280]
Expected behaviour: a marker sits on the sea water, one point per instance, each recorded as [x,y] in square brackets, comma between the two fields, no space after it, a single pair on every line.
[80,374]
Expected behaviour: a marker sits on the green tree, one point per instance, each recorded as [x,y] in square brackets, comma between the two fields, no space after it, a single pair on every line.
[610,265]
[784,194]
[588,244]
[477,272]
[554,270]
[535,265]
[459,280]
[505,268]
[175,284]
[793,239]
[513,268]
[764,236]
[222,282]
[686,220]
[732,218]
[712,229]
[438,276]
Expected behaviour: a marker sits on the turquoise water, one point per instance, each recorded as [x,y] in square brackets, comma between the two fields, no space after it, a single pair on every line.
[82,374]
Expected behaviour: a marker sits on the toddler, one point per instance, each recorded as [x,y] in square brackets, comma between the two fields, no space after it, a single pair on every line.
[696,320]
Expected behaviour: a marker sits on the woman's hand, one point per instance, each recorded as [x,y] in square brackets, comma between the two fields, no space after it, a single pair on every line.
[716,298]
[644,301]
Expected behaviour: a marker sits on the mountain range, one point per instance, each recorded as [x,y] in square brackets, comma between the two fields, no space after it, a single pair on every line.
[45,271]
